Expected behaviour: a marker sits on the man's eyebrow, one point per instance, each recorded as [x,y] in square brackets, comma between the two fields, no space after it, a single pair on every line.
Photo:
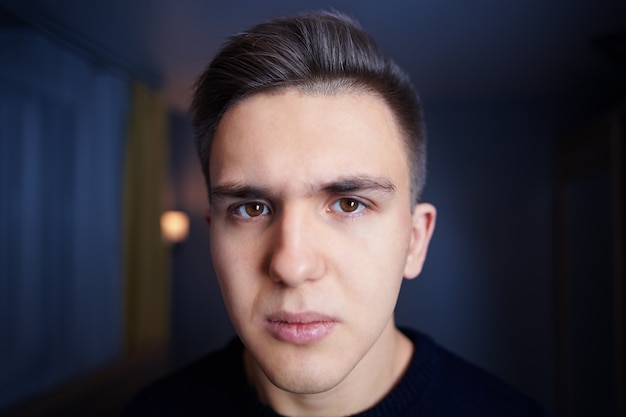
[344,185]
[358,183]
[234,190]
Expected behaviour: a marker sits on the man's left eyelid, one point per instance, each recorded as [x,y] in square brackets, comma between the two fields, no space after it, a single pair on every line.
[362,202]
[365,201]
[260,202]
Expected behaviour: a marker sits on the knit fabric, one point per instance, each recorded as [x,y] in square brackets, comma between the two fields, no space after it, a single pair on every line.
[437,383]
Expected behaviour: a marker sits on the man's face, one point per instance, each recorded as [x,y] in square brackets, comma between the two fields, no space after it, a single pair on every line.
[312,231]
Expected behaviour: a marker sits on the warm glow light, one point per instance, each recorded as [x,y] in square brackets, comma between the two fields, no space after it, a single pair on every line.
[174,226]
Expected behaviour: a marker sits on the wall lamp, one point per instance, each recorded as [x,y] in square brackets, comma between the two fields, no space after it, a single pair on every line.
[174,226]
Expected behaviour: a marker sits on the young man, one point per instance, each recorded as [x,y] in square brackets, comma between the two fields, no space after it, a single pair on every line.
[313,149]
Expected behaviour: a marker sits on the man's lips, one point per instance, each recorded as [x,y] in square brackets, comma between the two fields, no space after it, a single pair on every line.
[300,328]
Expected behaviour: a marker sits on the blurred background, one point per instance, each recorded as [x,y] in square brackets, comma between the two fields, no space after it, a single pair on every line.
[524,104]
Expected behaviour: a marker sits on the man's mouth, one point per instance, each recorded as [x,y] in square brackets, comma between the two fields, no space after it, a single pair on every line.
[300,328]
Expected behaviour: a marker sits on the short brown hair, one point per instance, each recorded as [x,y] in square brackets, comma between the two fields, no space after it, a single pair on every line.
[319,53]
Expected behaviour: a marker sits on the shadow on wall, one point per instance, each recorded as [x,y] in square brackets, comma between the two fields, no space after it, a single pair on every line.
[486,291]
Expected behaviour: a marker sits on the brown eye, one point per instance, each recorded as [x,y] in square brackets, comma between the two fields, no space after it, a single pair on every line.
[348,205]
[254,209]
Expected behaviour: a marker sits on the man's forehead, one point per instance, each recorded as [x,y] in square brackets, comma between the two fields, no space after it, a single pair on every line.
[356,94]
[292,137]
[262,108]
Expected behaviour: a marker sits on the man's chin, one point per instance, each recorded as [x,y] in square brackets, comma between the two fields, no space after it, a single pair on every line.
[309,377]
[305,385]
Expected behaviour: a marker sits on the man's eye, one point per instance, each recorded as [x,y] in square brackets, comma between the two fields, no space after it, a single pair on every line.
[348,205]
[250,210]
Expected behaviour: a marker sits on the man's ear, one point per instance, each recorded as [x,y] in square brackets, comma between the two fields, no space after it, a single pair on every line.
[207,217]
[423,225]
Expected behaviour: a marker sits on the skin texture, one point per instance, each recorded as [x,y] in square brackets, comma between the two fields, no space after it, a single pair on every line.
[312,231]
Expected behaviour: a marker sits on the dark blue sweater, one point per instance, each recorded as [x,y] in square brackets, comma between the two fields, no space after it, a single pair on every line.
[436,384]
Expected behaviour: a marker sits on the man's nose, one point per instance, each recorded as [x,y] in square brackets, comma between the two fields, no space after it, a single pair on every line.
[295,252]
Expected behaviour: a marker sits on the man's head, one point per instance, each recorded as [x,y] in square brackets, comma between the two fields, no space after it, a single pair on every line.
[305,135]
[321,53]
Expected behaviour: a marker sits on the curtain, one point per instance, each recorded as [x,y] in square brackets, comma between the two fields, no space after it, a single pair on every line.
[146,259]
[63,124]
